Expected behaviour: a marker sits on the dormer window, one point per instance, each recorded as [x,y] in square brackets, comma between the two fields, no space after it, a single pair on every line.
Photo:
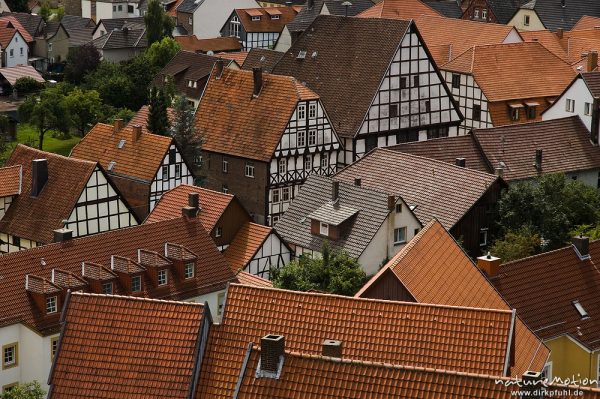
[162,277]
[324,229]
[582,312]
[255,18]
[274,16]
[107,288]
[192,83]
[189,270]
[51,304]
[136,283]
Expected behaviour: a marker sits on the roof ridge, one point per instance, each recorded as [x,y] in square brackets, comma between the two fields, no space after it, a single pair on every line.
[135,298]
[552,252]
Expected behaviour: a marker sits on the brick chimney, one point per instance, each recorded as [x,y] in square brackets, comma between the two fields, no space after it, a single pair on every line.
[462,162]
[136,133]
[39,176]
[219,65]
[258,80]
[489,264]
[559,33]
[592,61]
[335,190]
[118,125]
[391,202]
[332,348]
[62,235]
[357,181]
[272,349]
[581,245]
[193,206]
[538,159]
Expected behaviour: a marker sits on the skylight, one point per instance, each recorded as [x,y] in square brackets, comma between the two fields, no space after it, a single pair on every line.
[111,165]
[581,310]
[301,55]
[121,143]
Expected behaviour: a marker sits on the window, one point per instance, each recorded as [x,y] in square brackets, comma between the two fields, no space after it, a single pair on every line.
[455,81]
[416,81]
[274,220]
[276,196]
[312,110]
[114,8]
[51,304]
[325,161]
[274,16]
[514,114]
[570,105]
[225,189]
[399,207]
[587,109]
[436,132]
[484,14]
[531,112]
[218,231]
[130,9]
[403,82]
[526,20]
[547,371]
[476,13]
[189,269]
[483,237]
[120,7]
[416,232]
[234,26]
[49,46]
[178,171]
[53,347]
[136,283]
[165,172]
[220,303]
[190,20]
[324,229]
[301,111]
[225,166]
[476,112]
[249,170]
[121,143]
[256,18]
[285,193]
[301,139]
[400,235]
[162,277]
[16,241]
[308,162]
[9,387]
[12,53]
[10,355]
[393,110]
[312,137]
[427,106]
[579,307]
[282,165]
[107,288]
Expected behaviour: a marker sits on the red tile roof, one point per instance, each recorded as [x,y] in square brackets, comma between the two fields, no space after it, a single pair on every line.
[462,339]
[434,269]
[399,9]
[252,279]
[233,121]
[125,347]
[238,58]
[141,117]
[514,71]
[10,181]
[587,22]
[12,74]
[248,240]
[548,39]
[266,23]
[192,43]
[6,33]
[212,271]
[35,218]
[11,23]
[140,159]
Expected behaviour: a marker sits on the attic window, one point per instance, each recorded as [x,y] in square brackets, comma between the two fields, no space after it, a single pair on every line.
[51,306]
[324,229]
[111,165]
[121,143]
[256,18]
[301,55]
[584,315]
[274,16]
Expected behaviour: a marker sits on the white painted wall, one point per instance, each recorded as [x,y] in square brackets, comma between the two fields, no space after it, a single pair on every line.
[578,92]
[518,20]
[284,42]
[159,186]
[86,9]
[468,94]
[269,254]
[210,16]
[513,37]
[19,49]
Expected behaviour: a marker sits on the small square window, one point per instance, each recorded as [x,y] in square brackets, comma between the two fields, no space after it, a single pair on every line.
[120,7]
[394,110]
[218,231]
[570,105]
[324,160]
[189,270]
[256,18]
[107,288]
[51,304]
[225,189]
[53,347]
[399,207]
[16,241]
[526,20]
[220,303]
[10,355]
[282,166]
[476,13]
[165,172]
[12,53]
[312,110]
[324,229]
[249,169]
[400,235]
[531,112]
[484,14]
[514,114]
[276,195]
[308,162]
[136,283]
[587,109]
[455,81]
[162,277]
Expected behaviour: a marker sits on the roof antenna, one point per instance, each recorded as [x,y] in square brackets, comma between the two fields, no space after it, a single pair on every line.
[346,4]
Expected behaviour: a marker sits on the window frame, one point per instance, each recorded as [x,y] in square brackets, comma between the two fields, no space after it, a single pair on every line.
[476,112]
[484,232]
[397,240]
[301,111]
[324,229]
[312,110]
[282,166]
[312,137]
[249,169]
[186,268]
[398,207]
[136,278]
[220,303]
[276,193]
[218,231]
[159,274]
[54,350]
[225,166]
[308,162]
[165,173]
[526,20]
[178,171]
[324,160]
[301,138]
[106,285]
[587,109]
[15,355]
[456,80]
[48,307]
[285,194]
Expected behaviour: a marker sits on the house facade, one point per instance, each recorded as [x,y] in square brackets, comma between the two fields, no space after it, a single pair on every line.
[206,18]
[107,9]
[15,50]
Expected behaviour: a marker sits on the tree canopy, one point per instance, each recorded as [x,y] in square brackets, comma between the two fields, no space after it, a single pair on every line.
[185,133]
[160,52]
[46,111]
[80,62]
[158,119]
[85,107]
[31,390]
[158,23]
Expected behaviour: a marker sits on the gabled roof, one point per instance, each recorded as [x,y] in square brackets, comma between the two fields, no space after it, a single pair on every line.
[31,22]
[448,8]
[434,269]
[554,16]
[565,145]
[234,57]
[144,347]
[73,22]
[141,117]
[262,58]
[343,70]
[111,24]
[578,43]
[10,180]
[193,44]
[7,32]
[252,279]
[12,74]
[212,271]
[307,15]
[468,339]
[246,243]
[399,9]
[80,37]
[514,71]
[122,39]
[587,22]
[435,189]
[266,23]
[447,38]
[35,218]
[233,121]
[592,81]
[140,159]
[560,277]
[548,40]
[189,6]
[504,10]
[186,66]
[12,22]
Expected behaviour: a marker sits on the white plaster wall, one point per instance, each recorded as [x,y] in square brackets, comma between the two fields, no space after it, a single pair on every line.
[513,37]
[17,44]
[212,14]
[86,9]
[518,21]
[578,92]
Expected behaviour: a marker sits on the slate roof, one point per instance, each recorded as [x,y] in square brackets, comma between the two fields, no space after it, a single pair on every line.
[435,189]
[118,346]
[344,72]
[140,159]
[504,10]
[10,180]
[263,58]
[266,23]
[80,37]
[307,15]
[514,71]
[233,121]
[371,330]
[141,117]
[333,213]
[120,39]
[217,44]
[448,8]
[434,269]
[554,16]
[592,81]
[35,218]
[188,6]
[559,277]
[246,243]
[399,9]
[212,271]
[71,22]
[111,24]
[31,22]
[12,74]
[371,211]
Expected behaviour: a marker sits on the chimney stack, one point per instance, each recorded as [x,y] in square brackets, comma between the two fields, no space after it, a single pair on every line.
[357,181]
[332,348]
[499,171]
[219,65]
[489,264]
[194,200]
[272,349]
[335,190]
[391,202]
[532,383]
[258,80]
[136,133]
[559,33]
[592,61]
[538,159]
[118,125]
[462,162]
[39,176]
[62,235]
[193,206]
[582,246]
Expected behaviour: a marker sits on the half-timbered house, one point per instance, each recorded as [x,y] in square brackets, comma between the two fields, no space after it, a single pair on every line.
[247,246]
[380,88]
[56,192]
[142,165]
[505,83]
[264,134]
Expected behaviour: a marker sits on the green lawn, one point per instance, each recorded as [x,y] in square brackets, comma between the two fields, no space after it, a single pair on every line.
[27,134]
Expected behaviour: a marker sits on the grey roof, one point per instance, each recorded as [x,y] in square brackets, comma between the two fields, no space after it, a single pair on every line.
[74,22]
[554,16]
[448,8]
[119,23]
[118,39]
[31,22]
[79,37]
[371,211]
[592,81]
[308,14]
[333,213]
[189,5]
[261,57]
[504,10]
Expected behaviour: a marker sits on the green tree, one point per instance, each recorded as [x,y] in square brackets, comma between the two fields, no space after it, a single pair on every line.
[45,11]
[593,232]
[158,23]
[113,85]
[161,52]
[121,113]
[158,120]
[141,73]
[83,107]
[517,245]
[31,390]
[185,133]
[80,62]
[46,111]
[60,13]
[334,271]
[27,85]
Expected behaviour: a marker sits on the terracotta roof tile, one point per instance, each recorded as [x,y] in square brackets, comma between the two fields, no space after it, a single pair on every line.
[95,252]
[434,269]
[212,204]
[565,145]
[193,44]
[592,81]
[116,347]
[237,57]
[577,43]
[261,58]
[514,71]
[436,189]
[233,121]
[367,328]
[6,34]
[547,39]
[140,159]
[252,279]
[10,181]
[398,9]
[266,23]
[561,278]
[8,21]
[248,240]
[35,218]
[12,74]
[587,22]
[141,118]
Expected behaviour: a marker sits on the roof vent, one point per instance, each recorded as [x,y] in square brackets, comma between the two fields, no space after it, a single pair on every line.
[531,383]
[301,55]
[62,235]
[357,181]
[462,162]
[314,54]
[272,349]
[332,348]
[581,245]
[111,165]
